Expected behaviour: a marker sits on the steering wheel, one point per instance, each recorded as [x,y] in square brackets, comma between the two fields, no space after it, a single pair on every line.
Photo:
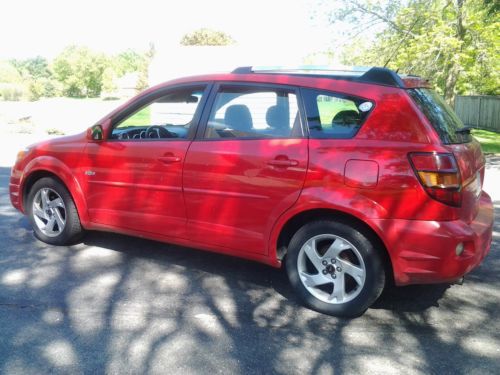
[157,131]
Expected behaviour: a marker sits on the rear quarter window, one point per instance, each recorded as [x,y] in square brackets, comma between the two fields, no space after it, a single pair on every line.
[333,115]
[440,115]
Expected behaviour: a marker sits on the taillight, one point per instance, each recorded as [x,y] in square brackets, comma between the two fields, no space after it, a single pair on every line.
[439,175]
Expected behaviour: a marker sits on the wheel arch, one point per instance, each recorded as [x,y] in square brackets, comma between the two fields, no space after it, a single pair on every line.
[51,167]
[299,219]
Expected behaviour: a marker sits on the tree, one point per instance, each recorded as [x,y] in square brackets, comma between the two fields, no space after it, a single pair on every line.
[455,43]
[11,87]
[80,71]
[37,77]
[206,37]
[129,61]
[36,67]
[143,69]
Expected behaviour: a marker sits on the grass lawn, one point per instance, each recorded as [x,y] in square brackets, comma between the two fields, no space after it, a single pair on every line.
[328,109]
[490,141]
[140,118]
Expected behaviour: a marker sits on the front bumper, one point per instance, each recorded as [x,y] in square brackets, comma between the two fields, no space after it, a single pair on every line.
[423,252]
[15,188]
[14,194]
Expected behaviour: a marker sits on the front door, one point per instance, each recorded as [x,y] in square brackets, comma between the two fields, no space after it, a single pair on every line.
[246,167]
[133,179]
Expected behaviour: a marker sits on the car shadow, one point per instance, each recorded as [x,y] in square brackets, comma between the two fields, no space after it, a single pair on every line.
[414,298]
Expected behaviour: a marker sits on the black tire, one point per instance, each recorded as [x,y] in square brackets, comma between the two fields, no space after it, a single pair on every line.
[374,274]
[72,231]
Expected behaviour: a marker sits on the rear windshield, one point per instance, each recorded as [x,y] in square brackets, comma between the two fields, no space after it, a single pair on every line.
[440,115]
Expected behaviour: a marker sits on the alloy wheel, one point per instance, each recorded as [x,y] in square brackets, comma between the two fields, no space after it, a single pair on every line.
[49,212]
[331,268]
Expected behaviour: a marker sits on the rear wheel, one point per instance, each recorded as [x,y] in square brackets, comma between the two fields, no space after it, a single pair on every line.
[53,213]
[335,268]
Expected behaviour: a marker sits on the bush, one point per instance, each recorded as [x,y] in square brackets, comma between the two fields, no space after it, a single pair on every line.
[36,90]
[43,87]
[54,131]
[11,91]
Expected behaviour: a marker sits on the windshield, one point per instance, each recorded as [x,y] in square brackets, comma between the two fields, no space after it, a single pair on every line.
[440,115]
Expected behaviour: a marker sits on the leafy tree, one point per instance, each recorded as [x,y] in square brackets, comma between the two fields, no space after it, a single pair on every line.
[36,67]
[37,77]
[455,43]
[108,80]
[80,71]
[143,80]
[129,61]
[11,87]
[206,37]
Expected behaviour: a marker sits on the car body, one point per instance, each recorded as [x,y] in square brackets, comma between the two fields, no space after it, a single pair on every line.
[232,175]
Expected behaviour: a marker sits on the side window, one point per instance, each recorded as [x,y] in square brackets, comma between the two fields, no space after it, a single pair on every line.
[331,115]
[248,112]
[167,117]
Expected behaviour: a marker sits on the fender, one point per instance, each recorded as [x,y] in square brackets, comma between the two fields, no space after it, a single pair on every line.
[63,172]
[348,202]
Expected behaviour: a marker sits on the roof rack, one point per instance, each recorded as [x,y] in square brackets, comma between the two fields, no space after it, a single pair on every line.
[374,75]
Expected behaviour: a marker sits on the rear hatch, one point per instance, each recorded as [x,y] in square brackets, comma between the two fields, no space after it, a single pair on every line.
[457,138]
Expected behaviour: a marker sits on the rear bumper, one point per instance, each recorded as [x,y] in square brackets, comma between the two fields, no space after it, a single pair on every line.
[423,252]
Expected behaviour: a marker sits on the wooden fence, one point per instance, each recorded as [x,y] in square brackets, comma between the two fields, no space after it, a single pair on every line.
[479,111]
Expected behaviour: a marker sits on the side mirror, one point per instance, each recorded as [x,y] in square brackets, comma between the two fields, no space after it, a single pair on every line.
[95,133]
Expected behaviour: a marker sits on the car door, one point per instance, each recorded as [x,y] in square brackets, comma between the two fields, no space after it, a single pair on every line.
[246,166]
[133,178]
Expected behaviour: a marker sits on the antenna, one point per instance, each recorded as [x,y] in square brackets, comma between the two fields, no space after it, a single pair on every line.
[400,43]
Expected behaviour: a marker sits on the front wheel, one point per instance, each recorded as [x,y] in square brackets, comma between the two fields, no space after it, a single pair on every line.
[53,213]
[335,268]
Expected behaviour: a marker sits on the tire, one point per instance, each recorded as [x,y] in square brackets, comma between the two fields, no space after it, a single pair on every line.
[334,268]
[52,213]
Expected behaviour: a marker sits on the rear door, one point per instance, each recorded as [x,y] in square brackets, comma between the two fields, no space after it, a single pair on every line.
[465,148]
[246,167]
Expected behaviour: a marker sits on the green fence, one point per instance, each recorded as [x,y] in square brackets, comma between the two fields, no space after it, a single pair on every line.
[479,111]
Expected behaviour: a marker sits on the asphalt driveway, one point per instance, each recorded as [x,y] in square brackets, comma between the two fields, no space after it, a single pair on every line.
[118,305]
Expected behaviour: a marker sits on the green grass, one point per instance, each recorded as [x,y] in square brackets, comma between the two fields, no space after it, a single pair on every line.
[490,141]
[141,118]
[327,110]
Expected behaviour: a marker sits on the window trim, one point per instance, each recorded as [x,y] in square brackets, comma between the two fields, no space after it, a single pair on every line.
[339,95]
[202,125]
[147,99]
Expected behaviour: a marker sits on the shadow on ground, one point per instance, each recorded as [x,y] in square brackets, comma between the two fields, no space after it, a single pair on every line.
[119,304]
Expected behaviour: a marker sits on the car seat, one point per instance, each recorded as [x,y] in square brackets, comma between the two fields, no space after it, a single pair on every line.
[238,120]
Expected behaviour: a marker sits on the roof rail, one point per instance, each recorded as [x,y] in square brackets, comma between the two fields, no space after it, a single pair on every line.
[300,68]
[374,75]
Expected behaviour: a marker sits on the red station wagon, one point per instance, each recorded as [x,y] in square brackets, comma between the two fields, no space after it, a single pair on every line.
[350,179]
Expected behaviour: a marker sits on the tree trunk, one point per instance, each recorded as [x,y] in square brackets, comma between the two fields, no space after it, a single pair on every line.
[453,72]
[453,68]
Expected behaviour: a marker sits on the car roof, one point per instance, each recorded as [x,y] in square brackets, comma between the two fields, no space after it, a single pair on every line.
[311,77]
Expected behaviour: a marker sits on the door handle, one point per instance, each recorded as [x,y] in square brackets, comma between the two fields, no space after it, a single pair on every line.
[283,163]
[169,159]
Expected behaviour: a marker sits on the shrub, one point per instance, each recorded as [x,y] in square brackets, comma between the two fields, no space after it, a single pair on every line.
[11,91]
[43,87]
[54,131]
